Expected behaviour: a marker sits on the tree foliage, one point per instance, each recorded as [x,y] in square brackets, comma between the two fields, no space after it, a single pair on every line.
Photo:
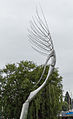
[65,106]
[67,98]
[18,80]
[67,102]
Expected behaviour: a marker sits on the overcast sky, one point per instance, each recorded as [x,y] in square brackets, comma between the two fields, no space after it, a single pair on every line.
[14,21]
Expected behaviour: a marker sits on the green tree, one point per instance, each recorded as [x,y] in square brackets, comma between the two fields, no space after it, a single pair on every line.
[68,99]
[65,106]
[18,80]
[16,86]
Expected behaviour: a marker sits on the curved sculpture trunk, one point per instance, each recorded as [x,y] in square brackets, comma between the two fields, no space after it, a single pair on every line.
[34,93]
[41,38]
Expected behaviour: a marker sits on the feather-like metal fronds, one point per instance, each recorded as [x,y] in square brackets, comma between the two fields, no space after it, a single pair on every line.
[39,35]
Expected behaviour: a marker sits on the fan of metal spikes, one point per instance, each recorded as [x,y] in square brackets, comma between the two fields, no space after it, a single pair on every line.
[40,37]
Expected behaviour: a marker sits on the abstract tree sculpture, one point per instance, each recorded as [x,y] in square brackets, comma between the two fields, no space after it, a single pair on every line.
[39,35]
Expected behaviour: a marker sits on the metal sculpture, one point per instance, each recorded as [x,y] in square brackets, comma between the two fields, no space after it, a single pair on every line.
[40,36]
